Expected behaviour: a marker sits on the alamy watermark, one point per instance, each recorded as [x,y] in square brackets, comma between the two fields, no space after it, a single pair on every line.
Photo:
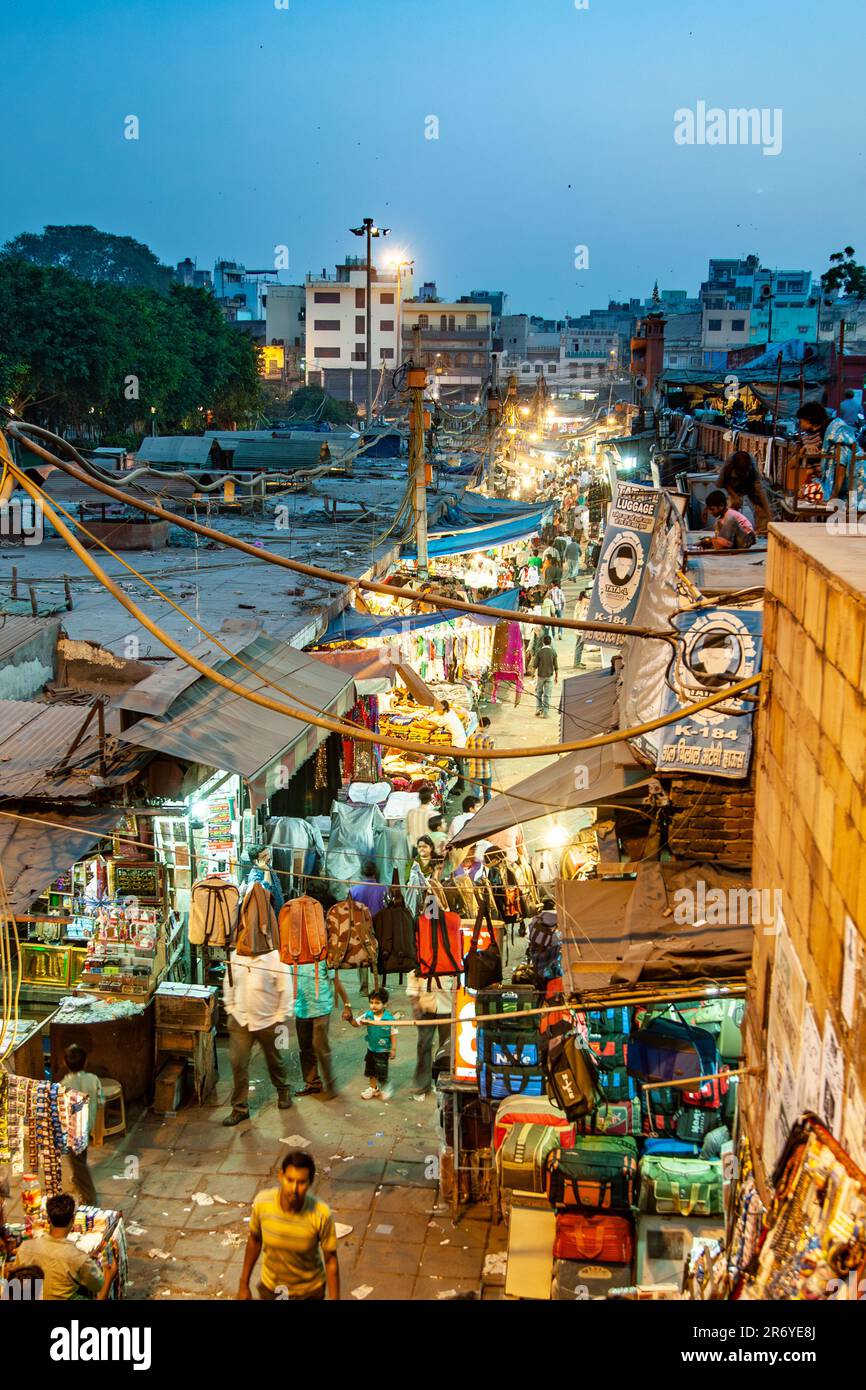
[22,520]
[709,906]
[847,515]
[738,125]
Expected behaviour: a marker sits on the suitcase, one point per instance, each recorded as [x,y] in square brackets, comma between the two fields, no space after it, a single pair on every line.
[664,1244]
[531,1110]
[522,1159]
[608,1239]
[579,1279]
[681,1186]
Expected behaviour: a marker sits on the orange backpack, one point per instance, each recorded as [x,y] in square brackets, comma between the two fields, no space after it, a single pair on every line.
[303,939]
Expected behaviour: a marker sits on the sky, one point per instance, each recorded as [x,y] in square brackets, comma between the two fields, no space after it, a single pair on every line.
[263,126]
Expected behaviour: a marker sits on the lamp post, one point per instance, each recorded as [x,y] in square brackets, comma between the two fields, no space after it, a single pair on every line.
[369,229]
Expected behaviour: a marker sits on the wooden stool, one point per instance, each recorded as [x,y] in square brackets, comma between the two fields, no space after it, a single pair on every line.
[113,1094]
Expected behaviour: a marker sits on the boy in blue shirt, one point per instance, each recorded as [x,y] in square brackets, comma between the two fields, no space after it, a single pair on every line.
[381,1045]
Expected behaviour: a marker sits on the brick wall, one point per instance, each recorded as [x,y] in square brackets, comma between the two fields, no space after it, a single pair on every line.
[713,818]
[810,784]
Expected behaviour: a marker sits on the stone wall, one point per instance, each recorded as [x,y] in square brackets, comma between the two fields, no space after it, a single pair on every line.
[810,810]
[713,818]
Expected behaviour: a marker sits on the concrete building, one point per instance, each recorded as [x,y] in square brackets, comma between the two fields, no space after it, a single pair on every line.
[722,331]
[336,325]
[186,273]
[684,340]
[456,340]
[242,293]
[285,327]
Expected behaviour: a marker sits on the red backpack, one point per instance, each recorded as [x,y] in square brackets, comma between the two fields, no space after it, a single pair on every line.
[438,942]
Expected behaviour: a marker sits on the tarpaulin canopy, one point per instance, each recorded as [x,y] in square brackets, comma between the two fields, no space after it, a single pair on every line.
[373,673]
[590,777]
[34,852]
[659,926]
[210,725]
[483,537]
[350,625]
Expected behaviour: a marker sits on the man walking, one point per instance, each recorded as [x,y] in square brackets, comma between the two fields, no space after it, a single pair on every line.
[257,992]
[480,769]
[428,1004]
[314,1003]
[88,1084]
[546,669]
[296,1234]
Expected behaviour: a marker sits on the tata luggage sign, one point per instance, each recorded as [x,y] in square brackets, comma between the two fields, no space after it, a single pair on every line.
[621,566]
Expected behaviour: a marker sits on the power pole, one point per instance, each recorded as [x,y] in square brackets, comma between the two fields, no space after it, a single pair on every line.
[416,379]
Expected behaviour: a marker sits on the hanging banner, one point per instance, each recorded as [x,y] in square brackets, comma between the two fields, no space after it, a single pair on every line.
[622,563]
[721,646]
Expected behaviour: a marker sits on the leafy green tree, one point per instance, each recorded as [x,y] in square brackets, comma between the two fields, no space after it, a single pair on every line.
[845,275]
[312,402]
[93,255]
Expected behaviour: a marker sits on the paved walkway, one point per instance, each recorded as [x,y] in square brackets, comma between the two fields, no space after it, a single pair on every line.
[377,1167]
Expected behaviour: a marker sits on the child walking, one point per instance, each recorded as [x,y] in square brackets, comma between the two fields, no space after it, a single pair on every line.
[381,1045]
[77,1079]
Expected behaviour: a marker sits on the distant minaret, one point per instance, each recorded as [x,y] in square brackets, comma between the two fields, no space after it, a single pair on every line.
[657,299]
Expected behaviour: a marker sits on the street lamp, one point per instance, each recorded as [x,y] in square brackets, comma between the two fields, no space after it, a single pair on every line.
[369,229]
[397,265]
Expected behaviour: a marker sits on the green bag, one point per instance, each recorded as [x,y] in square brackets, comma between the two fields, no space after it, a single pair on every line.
[681,1186]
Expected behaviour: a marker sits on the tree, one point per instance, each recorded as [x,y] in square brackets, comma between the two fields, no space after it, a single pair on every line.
[657,299]
[93,255]
[845,275]
[310,402]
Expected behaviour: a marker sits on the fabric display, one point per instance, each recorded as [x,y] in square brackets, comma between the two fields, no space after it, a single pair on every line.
[355,831]
[813,1242]
[362,761]
[315,785]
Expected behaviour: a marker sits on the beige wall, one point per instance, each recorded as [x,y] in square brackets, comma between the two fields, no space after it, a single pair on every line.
[810,787]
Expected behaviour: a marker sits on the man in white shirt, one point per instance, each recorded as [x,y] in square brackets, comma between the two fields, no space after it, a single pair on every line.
[454,724]
[257,992]
[418,819]
[470,806]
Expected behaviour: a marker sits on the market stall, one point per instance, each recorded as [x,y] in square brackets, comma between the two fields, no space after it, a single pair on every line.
[98,1233]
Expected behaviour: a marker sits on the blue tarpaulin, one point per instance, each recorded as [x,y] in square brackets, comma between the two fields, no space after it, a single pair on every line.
[483,537]
[350,625]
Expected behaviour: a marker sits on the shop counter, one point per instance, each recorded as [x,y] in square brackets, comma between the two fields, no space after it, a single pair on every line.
[120,1048]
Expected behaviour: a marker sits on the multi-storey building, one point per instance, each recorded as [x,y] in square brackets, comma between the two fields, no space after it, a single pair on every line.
[456,342]
[241,293]
[336,325]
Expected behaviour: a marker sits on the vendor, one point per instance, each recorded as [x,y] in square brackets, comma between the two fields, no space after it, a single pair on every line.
[67,1273]
[261,872]
[734,531]
[739,478]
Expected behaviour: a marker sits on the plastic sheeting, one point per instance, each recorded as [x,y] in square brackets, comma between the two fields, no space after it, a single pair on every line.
[484,537]
[351,626]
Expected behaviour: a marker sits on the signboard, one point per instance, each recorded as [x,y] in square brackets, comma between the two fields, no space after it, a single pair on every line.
[622,563]
[721,646]
[464,1052]
[810,1064]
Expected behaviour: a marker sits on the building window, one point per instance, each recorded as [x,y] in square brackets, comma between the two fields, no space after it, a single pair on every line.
[326,325]
[387,354]
[587,373]
[360,323]
[360,352]
[386,297]
[327,352]
[714,325]
[471,320]
[452,323]
[326,297]
[538,369]
[526,370]
[461,359]
[738,325]
[443,323]
[386,325]
[359,299]
[423,321]
[478,359]
[552,367]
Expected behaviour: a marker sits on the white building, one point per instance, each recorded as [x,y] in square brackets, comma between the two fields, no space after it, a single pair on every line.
[336,326]
[456,340]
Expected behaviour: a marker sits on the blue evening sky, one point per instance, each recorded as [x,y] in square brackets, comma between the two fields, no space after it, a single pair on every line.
[261,126]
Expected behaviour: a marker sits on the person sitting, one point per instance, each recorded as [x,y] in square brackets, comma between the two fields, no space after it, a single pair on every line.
[67,1273]
[739,478]
[734,531]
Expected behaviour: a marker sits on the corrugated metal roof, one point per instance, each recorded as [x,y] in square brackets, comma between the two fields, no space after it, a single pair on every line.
[34,738]
[157,693]
[33,855]
[279,453]
[209,725]
[175,448]
[17,630]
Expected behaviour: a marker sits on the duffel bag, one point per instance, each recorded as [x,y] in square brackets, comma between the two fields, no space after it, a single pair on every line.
[681,1186]
[611,1048]
[694,1124]
[506,1051]
[531,1110]
[496,1082]
[711,1093]
[620,1119]
[670,1148]
[609,1239]
[615,1082]
[524,1155]
[597,1176]
[615,1020]
[572,1077]
[669,1049]
[503,1000]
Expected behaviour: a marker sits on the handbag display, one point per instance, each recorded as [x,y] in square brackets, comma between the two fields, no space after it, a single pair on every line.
[572,1076]
[503,1000]
[616,1083]
[501,1051]
[616,1020]
[694,1123]
[618,1120]
[496,1082]
[608,1239]
[531,1110]
[482,968]
[685,1186]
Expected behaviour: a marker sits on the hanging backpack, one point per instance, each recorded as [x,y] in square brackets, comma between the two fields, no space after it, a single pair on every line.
[572,1077]
[544,946]
[257,930]
[213,911]
[351,940]
[303,939]
[394,929]
[506,1001]
[482,968]
[438,943]
[670,1049]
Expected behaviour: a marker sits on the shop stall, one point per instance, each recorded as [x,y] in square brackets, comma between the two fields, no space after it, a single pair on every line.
[98,1233]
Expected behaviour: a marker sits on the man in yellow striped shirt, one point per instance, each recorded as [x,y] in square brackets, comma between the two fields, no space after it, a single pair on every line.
[296,1234]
